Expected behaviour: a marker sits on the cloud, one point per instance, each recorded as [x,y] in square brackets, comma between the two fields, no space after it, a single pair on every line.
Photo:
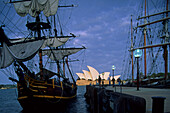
[105,34]
[125,21]
[76,41]
[81,33]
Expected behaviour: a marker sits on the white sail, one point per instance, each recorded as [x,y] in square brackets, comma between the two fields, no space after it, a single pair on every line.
[54,42]
[17,40]
[48,42]
[6,58]
[81,75]
[87,75]
[93,72]
[19,52]
[60,53]
[34,7]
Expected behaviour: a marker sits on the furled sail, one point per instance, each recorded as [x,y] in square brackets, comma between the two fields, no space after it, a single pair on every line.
[59,54]
[48,42]
[34,7]
[54,42]
[19,52]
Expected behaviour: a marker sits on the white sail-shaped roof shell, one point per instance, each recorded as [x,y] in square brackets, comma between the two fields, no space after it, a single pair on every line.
[87,75]
[115,77]
[94,73]
[81,75]
[34,7]
[106,75]
[101,75]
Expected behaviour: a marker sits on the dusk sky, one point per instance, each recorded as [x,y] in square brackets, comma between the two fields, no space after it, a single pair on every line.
[103,26]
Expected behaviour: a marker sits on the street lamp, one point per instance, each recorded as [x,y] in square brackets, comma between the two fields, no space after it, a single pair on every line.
[137,54]
[113,68]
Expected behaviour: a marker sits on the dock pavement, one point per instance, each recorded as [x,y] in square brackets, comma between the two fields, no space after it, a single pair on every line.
[147,94]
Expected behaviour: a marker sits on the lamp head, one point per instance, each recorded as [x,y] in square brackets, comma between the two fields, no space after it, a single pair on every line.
[137,53]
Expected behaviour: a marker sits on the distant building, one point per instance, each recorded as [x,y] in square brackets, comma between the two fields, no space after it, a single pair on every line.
[81,76]
[93,74]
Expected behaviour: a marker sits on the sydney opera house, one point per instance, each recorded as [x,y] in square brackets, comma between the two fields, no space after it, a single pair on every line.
[92,74]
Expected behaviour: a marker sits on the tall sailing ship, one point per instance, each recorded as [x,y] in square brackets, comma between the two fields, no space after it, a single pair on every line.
[151,35]
[45,88]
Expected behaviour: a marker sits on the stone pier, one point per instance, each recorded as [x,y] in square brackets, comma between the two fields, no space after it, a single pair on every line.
[105,100]
[147,94]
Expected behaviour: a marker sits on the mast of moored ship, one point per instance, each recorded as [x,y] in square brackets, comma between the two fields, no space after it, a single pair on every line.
[40,51]
[63,67]
[70,71]
[166,40]
[164,45]
[55,30]
[145,21]
[132,48]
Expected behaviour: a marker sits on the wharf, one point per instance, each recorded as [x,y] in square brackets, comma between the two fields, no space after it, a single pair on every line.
[147,94]
[108,99]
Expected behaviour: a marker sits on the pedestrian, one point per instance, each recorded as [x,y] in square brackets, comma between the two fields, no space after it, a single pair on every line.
[119,81]
[113,80]
[99,80]
[109,81]
[102,82]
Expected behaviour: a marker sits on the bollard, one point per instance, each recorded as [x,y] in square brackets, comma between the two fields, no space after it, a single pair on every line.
[158,104]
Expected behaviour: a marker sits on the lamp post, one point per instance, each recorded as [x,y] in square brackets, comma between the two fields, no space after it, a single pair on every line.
[113,68]
[137,54]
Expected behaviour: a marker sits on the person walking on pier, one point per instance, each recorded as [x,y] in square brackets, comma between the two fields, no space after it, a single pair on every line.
[113,80]
[119,81]
[109,81]
[103,80]
[99,80]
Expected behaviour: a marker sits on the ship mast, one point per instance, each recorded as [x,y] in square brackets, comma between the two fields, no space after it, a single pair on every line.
[164,45]
[40,51]
[145,21]
[132,48]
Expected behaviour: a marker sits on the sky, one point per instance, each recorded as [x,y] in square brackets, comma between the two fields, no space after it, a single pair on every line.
[103,27]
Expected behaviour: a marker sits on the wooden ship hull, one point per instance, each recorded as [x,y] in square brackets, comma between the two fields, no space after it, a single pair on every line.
[42,94]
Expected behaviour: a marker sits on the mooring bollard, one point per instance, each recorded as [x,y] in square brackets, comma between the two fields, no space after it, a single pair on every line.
[158,104]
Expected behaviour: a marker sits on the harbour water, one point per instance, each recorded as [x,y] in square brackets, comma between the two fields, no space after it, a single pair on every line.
[9,103]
